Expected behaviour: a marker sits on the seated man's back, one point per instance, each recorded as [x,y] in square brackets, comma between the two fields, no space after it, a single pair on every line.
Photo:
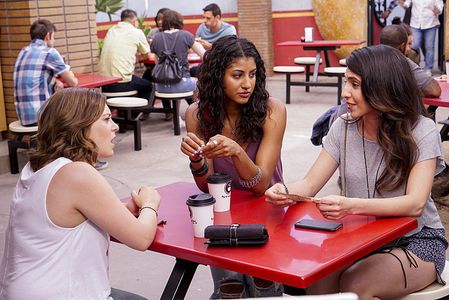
[35,72]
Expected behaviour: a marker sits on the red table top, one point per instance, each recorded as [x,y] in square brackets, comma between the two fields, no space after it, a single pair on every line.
[296,257]
[443,101]
[322,43]
[94,80]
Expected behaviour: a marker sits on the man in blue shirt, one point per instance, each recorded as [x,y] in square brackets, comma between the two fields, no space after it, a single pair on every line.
[213,27]
[35,72]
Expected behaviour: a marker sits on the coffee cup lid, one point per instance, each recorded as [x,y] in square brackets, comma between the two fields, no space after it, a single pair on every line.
[219,178]
[200,200]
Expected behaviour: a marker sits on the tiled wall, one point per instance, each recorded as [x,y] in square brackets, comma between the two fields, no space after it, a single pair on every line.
[255,20]
[76,36]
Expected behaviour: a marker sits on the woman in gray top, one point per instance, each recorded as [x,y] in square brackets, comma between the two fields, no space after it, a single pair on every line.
[387,153]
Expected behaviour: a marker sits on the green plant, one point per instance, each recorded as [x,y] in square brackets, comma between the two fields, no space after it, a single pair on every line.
[108,7]
[144,27]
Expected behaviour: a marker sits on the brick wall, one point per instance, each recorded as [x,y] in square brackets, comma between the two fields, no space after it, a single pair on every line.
[255,19]
[76,36]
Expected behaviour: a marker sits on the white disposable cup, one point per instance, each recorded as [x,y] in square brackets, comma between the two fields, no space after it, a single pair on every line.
[447,71]
[219,185]
[201,212]
[308,34]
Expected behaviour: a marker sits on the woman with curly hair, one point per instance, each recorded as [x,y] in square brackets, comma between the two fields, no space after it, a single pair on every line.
[235,128]
[63,210]
[387,153]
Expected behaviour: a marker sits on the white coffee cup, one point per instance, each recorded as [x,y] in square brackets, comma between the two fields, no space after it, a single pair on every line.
[447,71]
[219,185]
[201,207]
[308,34]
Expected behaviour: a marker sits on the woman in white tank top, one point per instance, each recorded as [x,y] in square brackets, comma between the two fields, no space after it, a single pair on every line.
[57,239]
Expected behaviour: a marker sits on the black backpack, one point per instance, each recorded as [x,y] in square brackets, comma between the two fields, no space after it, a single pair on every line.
[168,68]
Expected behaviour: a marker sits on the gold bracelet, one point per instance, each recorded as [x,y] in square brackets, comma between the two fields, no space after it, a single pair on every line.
[142,208]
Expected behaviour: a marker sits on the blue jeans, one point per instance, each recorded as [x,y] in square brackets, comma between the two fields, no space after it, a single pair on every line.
[429,43]
[187,84]
[248,287]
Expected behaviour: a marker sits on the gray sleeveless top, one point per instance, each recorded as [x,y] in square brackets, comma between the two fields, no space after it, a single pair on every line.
[226,165]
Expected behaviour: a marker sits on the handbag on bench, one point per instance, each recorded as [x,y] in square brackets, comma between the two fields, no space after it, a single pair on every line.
[236,235]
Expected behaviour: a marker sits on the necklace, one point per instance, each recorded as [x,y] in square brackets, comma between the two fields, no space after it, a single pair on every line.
[366,165]
[233,129]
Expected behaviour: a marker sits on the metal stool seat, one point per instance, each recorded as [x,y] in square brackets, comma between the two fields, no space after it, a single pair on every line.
[120,94]
[125,107]
[174,97]
[339,72]
[288,71]
[307,61]
[19,132]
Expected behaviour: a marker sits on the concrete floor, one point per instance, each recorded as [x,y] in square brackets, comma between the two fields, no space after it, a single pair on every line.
[160,162]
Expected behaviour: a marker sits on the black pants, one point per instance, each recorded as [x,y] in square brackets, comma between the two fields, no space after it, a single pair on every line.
[142,86]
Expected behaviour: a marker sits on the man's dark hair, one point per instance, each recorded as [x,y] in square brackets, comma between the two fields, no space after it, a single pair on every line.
[214,8]
[40,28]
[128,14]
[172,20]
[394,36]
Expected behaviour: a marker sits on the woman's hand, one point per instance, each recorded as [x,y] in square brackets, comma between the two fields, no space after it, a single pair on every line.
[220,146]
[273,197]
[191,146]
[146,196]
[334,206]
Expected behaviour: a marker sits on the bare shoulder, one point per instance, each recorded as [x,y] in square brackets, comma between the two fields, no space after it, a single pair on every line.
[78,174]
[192,117]
[277,107]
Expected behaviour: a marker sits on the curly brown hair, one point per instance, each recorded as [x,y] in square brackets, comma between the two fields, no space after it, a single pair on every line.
[64,123]
[211,110]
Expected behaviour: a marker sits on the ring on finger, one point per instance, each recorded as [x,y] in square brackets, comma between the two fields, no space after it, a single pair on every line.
[215,142]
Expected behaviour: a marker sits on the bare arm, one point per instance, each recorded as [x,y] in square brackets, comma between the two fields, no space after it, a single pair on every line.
[198,49]
[411,204]
[432,89]
[69,78]
[87,195]
[317,176]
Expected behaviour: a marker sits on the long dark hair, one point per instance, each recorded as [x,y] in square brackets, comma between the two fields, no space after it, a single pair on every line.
[211,111]
[64,125]
[389,87]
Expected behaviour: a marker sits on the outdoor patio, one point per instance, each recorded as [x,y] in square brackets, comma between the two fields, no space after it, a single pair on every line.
[160,162]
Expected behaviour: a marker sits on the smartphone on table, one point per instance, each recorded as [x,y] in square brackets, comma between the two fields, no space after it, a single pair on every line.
[318,225]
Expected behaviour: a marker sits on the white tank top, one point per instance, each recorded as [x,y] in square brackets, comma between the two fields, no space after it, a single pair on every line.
[46,261]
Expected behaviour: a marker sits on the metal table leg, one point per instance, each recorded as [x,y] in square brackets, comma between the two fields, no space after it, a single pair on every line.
[179,281]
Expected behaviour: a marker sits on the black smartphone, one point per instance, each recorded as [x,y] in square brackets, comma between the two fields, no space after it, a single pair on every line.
[318,225]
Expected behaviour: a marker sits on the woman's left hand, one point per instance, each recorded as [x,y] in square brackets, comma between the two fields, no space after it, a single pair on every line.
[334,206]
[220,146]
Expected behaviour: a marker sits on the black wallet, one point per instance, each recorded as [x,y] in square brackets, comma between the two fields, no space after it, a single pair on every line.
[235,235]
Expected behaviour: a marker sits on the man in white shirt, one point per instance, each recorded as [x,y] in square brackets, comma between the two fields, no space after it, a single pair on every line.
[118,55]
[424,23]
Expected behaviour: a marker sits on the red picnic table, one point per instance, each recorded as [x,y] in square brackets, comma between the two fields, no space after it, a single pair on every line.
[296,257]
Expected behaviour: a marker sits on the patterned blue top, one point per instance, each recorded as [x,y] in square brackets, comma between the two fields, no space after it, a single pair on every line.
[34,78]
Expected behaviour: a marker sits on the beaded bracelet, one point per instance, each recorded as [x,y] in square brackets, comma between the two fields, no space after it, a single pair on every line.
[197,160]
[142,208]
[201,171]
[249,183]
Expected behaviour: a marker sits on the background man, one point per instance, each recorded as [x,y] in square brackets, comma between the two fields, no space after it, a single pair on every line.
[396,37]
[118,55]
[35,72]
[213,27]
